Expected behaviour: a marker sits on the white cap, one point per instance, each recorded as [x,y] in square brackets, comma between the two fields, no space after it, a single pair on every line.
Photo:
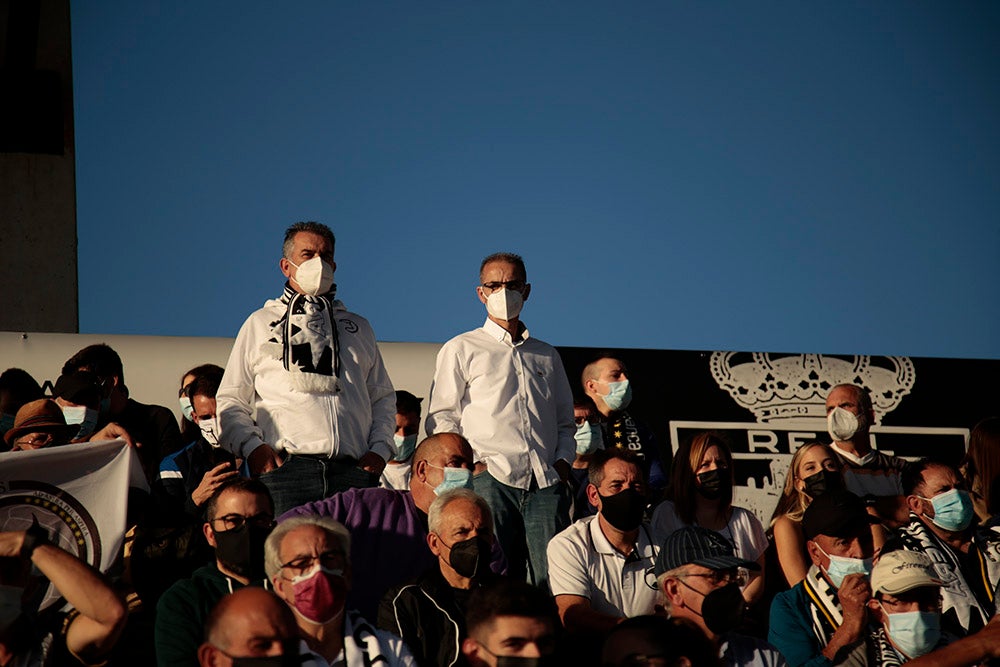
[901,571]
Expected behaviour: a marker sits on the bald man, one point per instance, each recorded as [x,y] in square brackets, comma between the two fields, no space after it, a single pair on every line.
[390,527]
[249,623]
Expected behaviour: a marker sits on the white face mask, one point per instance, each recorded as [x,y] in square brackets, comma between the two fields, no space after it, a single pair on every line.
[210,430]
[504,304]
[313,276]
[82,415]
[842,425]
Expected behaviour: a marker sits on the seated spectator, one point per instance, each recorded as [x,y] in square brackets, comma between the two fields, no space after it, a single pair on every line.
[250,623]
[429,613]
[17,387]
[966,559]
[701,488]
[981,468]
[390,527]
[189,429]
[598,566]
[396,475]
[189,477]
[655,640]
[700,578]
[823,619]
[78,394]
[39,424]
[238,519]
[510,619]
[82,636]
[152,427]
[905,607]
[814,470]
[308,560]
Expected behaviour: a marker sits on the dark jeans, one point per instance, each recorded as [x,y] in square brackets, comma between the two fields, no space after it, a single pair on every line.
[525,521]
[304,479]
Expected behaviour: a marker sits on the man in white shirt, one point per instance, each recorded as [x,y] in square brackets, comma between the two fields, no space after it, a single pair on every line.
[306,399]
[507,393]
[598,566]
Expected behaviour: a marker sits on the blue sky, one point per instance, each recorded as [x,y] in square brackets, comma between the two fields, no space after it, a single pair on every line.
[800,177]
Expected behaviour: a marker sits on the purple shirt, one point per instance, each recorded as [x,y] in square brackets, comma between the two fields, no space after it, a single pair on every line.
[388,541]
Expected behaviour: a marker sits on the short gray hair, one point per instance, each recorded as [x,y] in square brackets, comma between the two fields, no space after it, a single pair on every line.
[272,546]
[434,514]
[317,228]
[676,573]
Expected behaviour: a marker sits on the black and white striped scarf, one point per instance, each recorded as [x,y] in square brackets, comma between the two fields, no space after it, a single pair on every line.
[825,611]
[308,342]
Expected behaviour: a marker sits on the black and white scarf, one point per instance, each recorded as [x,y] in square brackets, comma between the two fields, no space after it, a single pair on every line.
[883,653]
[306,341]
[961,605]
[825,611]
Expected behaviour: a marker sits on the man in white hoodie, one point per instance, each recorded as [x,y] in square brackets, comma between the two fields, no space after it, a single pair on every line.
[311,373]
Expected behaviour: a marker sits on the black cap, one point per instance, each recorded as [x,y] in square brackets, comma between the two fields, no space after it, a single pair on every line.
[698,546]
[836,514]
[79,387]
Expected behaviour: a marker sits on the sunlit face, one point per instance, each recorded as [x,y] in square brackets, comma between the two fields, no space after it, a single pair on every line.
[618,476]
[451,452]
[300,549]
[857,546]
[305,246]
[608,371]
[843,397]
[937,479]
[712,459]
[817,458]
[204,407]
[507,273]
[511,636]
[461,520]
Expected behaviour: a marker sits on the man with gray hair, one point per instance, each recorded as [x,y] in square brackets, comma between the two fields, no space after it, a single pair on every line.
[306,399]
[868,473]
[429,612]
[308,560]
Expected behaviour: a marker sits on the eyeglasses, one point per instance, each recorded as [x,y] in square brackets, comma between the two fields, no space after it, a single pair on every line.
[331,560]
[722,577]
[512,285]
[34,441]
[236,521]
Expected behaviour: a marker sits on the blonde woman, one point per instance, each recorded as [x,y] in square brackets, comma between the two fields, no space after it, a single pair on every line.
[814,470]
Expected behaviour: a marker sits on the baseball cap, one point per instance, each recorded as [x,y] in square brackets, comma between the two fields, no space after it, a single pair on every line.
[837,513]
[698,546]
[901,571]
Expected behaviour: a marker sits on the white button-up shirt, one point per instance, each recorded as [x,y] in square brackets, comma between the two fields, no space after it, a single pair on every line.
[583,562]
[510,399]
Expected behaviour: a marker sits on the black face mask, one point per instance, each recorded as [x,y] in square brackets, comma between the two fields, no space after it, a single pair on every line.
[471,558]
[286,660]
[713,483]
[241,550]
[624,510]
[723,608]
[517,661]
[822,482]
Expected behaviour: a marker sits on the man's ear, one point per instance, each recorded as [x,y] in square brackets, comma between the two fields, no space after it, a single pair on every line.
[206,530]
[479,293]
[914,504]
[671,590]
[814,555]
[206,655]
[592,496]
[419,470]
[876,610]
[434,543]
[470,647]
[527,291]
[285,266]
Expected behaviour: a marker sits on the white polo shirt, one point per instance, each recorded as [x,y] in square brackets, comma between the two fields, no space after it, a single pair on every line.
[582,562]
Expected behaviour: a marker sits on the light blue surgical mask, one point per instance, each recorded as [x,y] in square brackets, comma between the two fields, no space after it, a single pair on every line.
[841,566]
[589,438]
[952,510]
[619,395]
[6,422]
[82,415]
[915,633]
[186,408]
[405,444]
[454,478]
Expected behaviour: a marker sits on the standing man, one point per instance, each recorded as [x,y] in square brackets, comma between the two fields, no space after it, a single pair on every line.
[507,393]
[325,407]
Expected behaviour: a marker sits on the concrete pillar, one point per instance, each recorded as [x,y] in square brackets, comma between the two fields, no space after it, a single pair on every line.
[38,245]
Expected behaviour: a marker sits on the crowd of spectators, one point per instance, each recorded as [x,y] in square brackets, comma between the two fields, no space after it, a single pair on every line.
[297,517]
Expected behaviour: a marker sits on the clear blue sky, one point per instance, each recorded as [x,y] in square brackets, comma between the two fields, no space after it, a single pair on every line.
[795,176]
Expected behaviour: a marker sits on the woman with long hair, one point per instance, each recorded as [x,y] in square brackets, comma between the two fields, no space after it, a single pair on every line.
[981,468]
[701,494]
[814,470]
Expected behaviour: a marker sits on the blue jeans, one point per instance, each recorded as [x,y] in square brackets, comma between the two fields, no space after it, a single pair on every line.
[524,522]
[304,479]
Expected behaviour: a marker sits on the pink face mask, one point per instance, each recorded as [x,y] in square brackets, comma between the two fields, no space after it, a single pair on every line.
[320,594]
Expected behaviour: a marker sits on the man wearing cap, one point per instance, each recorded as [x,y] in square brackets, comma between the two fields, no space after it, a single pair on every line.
[39,424]
[906,608]
[822,619]
[700,576]
[965,559]
[597,566]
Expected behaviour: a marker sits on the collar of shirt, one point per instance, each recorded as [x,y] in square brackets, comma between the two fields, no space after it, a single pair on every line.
[854,458]
[603,546]
[502,335]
